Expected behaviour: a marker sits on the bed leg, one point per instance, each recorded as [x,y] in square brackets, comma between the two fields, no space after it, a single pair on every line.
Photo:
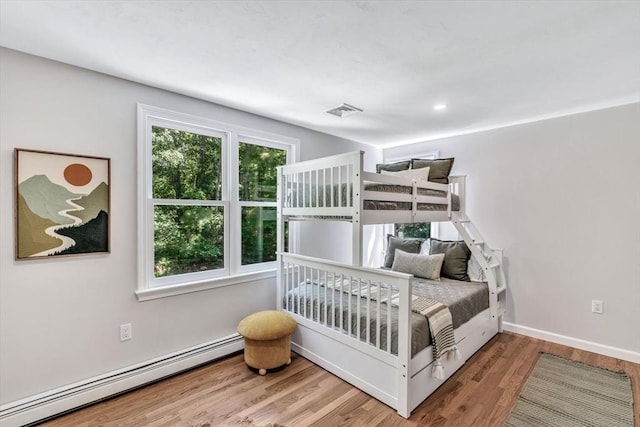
[500,328]
[404,412]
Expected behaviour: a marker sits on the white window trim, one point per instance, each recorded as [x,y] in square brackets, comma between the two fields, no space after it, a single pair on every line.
[197,286]
[233,272]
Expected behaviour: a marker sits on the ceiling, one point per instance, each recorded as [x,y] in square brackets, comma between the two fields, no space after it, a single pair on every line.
[494,63]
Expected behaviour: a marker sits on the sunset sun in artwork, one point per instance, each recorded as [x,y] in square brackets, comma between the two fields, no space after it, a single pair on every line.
[77,174]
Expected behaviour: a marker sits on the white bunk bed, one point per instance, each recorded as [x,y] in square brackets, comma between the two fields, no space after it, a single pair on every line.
[344,323]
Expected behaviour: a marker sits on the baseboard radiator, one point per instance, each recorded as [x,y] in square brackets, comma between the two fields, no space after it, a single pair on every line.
[60,400]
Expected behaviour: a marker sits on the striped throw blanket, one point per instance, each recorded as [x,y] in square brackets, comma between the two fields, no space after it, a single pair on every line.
[437,314]
[441,328]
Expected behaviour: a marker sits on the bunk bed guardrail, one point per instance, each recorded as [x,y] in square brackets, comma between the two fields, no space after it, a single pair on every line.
[319,291]
[336,186]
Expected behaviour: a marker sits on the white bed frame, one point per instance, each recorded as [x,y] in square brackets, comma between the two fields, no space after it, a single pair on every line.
[398,380]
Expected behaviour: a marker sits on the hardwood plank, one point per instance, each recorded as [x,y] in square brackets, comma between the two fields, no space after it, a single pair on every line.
[227,393]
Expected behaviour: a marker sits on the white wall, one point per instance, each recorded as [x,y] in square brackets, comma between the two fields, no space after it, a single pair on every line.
[59,318]
[561,197]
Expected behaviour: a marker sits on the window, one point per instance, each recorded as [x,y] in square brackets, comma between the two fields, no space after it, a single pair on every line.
[208,205]
[188,210]
[417,229]
[257,185]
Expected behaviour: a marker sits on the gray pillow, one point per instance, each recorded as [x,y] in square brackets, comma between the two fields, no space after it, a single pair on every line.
[456,258]
[409,244]
[393,167]
[440,168]
[426,266]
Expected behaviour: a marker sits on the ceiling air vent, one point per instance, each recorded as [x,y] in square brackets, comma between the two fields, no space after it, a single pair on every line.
[344,110]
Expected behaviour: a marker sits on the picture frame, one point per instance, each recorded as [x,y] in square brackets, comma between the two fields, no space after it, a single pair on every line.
[62,204]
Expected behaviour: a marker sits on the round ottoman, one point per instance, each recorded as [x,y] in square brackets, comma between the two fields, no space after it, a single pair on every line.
[267,339]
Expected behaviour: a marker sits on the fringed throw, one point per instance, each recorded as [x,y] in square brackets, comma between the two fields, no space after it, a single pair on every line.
[443,340]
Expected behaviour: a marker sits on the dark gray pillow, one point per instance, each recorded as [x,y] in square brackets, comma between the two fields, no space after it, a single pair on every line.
[456,258]
[407,244]
[440,168]
[393,167]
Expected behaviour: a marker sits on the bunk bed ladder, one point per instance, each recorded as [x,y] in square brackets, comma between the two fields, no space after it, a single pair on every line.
[490,261]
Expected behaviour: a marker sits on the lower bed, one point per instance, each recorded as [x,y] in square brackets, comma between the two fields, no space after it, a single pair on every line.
[344,308]
[347,330]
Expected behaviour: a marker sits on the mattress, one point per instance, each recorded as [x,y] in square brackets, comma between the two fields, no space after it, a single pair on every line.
[464,299]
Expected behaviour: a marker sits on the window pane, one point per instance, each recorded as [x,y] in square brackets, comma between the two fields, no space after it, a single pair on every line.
[258,234]
[188,239]
[257,177]
[186,165]
[417,229]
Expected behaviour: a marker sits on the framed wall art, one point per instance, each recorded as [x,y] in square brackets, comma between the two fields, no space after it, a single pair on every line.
[62,204]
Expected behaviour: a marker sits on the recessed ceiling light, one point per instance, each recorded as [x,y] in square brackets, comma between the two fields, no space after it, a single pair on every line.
[438,107]
[344,110]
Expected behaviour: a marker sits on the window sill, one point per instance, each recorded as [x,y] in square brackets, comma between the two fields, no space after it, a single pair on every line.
[186,288]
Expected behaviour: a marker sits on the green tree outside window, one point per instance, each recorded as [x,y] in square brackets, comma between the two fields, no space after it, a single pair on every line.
[186,167]
[418,229]
[189,220]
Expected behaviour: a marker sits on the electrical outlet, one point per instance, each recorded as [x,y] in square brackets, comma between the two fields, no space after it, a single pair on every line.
[597,306]
[126,332]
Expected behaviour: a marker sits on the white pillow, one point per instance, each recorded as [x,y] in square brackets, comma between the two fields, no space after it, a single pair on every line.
[426,266]
[475,271]
[425,247]
[421,174]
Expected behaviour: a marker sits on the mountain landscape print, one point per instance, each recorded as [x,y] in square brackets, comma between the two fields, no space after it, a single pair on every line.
[62,204]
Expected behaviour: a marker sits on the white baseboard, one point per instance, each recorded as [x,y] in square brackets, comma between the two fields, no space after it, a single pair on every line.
[52,402]
[606,350]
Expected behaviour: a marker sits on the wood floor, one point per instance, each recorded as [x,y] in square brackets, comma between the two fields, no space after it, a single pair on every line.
[227,393]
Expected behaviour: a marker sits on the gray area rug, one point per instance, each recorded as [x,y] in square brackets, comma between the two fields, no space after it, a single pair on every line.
[565,393]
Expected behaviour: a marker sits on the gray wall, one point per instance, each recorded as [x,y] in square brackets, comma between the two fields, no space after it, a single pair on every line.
[561,197]
[59,318]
